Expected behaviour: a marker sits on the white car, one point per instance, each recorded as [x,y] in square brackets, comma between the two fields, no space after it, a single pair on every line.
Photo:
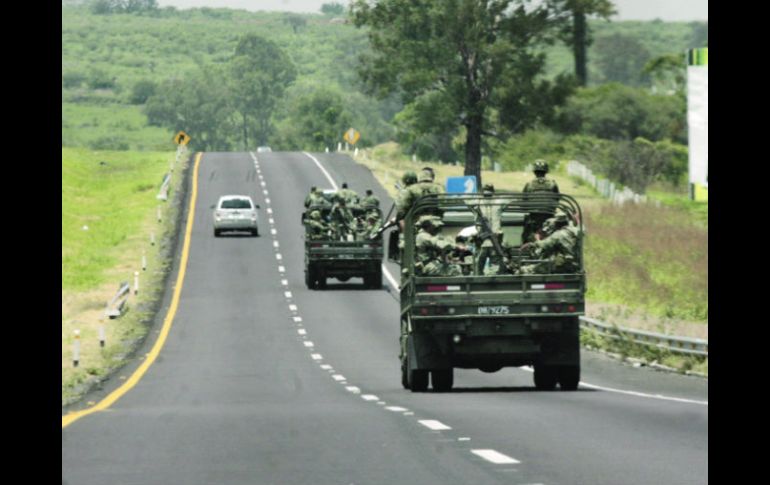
[235,213]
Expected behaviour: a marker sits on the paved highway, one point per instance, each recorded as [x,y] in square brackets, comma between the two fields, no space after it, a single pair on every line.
[262,381]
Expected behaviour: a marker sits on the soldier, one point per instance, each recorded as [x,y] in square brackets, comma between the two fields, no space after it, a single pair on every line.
[492,212]
[557,248]
[350,196]
[370,203]
[316,228]
[312,197]
[424,186]
[540,183]
[373,221]
[432,250]
[341,220]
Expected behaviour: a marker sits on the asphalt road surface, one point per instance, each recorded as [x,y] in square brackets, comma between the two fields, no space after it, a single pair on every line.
[262,381]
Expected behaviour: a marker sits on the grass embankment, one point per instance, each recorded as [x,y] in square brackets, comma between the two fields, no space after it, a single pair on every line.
[647,266]
[109,209]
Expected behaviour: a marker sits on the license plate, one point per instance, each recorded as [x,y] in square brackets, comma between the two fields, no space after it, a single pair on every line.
[494,310]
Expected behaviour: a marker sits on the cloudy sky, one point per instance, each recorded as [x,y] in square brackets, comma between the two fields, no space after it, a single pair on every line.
[671,10]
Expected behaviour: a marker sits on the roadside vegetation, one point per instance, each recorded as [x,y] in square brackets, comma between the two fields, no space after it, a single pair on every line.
[108,213]
[135,73]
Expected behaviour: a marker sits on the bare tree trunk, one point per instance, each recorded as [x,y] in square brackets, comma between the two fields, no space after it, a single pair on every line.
[473,148]
[579,47]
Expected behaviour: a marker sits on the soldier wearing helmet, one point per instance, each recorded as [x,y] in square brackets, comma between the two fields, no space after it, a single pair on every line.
[409,178]
[541,183]
[424,186]
[432,250]
[557,249]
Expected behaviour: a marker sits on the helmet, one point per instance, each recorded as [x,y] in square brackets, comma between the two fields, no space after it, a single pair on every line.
[409,178]
[556,221]
[315,215]
[429,221]
[540,166]
[488,188]
[426,175]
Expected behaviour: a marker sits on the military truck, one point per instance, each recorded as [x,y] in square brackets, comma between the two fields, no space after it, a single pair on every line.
[490,321]
[341,258]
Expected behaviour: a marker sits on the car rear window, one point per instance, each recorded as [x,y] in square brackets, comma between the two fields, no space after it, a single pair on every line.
[236,204]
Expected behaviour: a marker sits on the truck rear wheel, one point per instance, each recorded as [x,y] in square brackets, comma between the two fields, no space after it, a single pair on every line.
[545,377]
[442,379]
[416,379]
[569,377]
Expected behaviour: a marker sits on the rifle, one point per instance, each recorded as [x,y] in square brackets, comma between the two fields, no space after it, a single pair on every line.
[488,233]
[386,224]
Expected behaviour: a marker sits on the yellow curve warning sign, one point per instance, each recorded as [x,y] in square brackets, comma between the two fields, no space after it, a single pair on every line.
[182,138]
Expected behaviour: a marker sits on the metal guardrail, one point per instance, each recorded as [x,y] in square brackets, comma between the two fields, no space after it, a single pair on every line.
[163,194]
[683,345]
[115,306]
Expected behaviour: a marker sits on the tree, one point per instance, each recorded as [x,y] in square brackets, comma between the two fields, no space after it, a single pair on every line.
[570,17]
[452,55]
[296,21]
[333,8]
[667,73]
[260,73]
[142,90]
[316,121]
[621,58]
[199,105]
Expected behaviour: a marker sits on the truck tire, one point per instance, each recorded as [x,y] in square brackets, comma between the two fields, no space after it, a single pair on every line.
[442,379]
[417,379]
[546,377]
[569,377]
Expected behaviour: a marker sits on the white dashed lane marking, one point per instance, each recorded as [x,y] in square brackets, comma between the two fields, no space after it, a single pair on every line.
[326,367]
[370,397]
[287,294]
[433,424]
[338,377]
[495,457]
[316,356]
[396,409]
[302,331]
[308,343]
[297,319]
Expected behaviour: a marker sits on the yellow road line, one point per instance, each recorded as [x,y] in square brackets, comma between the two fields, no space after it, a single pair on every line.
[134,379]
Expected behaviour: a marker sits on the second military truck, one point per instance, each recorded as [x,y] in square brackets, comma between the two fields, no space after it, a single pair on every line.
[341,250]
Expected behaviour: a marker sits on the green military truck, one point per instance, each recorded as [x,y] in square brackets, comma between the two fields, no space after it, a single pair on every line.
[488,322]
[341,258]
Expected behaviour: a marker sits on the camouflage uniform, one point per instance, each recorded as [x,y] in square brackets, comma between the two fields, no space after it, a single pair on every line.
[342,221]
[315,198]
[540,183]
[432,250]
[409,196]
[315,227]
[350,196]
[558,248]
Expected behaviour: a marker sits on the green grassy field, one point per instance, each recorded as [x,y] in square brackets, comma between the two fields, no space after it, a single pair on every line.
[113,194]
[111,127]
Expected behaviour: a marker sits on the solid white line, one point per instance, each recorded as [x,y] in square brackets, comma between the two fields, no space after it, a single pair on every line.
[495,457]
[433,424]
[390,277]
[370,397]
[633,393]
[328,177]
